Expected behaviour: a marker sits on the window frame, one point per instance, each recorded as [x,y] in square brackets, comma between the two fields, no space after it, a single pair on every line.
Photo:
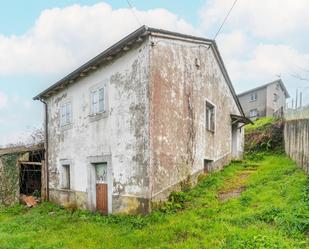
[256,113]
[66,173]
[96,99]
[253,96]
[66,113]
[208,126]
[98,103]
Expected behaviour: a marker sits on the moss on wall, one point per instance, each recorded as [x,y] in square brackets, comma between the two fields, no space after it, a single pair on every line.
[9,179]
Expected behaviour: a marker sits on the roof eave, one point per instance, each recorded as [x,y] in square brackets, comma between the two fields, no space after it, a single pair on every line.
[144,30]
[227,78]
[108,52]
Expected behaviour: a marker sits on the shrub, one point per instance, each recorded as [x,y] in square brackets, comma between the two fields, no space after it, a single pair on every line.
[265,137]
[176,201]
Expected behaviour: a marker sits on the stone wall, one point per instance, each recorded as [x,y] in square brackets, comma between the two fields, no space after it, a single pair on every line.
[183,76]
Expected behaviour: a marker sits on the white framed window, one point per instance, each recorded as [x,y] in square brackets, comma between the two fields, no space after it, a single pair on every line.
[98,100]
[66,176]
[210,116]
[275,97]
[253,96]
[253,113]
[66,114]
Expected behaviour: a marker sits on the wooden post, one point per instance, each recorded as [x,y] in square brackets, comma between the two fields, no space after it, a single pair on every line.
[43,181]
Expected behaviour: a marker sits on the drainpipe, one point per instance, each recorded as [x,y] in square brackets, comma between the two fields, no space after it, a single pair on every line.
[46,147]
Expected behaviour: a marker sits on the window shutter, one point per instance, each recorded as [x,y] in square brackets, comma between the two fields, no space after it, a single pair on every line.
[102,99]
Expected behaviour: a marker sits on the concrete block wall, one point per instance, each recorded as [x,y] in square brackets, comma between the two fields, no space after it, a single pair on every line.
[296,136]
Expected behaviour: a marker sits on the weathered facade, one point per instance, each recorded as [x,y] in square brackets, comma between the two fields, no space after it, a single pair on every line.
[146,114]
[264,101]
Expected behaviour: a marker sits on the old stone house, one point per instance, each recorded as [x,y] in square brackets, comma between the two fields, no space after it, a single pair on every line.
[128,126]
[264,101]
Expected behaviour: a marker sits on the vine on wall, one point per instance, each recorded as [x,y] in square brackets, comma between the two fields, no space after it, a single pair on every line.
[9,179]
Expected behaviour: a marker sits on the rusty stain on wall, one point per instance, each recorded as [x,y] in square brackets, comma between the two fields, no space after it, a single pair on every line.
[179,140]
[153,131]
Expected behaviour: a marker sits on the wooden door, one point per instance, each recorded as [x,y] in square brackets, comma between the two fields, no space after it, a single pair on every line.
[102,200]
[101,188]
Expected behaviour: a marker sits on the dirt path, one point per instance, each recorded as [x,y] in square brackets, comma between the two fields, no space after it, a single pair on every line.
[234,187]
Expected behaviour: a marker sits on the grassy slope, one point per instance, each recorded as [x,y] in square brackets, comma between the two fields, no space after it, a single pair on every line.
[259,124]
[272,212]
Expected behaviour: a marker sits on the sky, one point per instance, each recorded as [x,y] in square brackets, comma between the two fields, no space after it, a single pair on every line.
[42,41]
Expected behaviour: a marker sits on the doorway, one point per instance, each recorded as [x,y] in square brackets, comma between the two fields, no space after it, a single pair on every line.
[30,179]
[207,165]
[235,141]
[101,187]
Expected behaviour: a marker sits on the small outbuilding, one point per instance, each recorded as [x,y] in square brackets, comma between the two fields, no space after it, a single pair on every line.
[22,172]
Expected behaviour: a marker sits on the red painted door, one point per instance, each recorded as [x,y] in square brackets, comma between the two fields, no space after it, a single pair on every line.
[102,200]
[101,188]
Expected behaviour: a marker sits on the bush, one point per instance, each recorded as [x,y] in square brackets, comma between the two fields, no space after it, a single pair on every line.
[254,156]
[176,201]
[266,136]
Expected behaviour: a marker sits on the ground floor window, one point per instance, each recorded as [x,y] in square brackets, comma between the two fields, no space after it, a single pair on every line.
[253,113]
[210,116]
[66,177]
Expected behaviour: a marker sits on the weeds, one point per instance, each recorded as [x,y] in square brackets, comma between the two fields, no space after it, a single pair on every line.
[261,217]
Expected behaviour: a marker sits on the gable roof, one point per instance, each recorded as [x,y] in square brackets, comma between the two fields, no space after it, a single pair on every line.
[123,44]
[279,81]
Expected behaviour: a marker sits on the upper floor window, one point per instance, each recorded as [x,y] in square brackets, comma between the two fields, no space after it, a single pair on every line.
[98,100]
[275,97]
[66,114]
[253,96]
[210,116]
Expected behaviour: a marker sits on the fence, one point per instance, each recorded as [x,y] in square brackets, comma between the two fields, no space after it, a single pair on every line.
[296,114]
[296,135]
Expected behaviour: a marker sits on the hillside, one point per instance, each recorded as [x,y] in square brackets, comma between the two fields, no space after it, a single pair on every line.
[253,204]
[266,134]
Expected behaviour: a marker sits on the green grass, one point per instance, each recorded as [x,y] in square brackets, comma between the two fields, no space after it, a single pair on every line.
[259,124]
[272,212]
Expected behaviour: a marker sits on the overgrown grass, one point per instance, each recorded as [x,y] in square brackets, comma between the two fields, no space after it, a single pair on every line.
[259,124]
[266,134]
[272,212]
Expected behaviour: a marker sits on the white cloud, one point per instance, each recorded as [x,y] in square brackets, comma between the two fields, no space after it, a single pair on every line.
[62,39]
[262,18]
[15,138]
[3,100]
[264,63]
[235,44]
[261,39]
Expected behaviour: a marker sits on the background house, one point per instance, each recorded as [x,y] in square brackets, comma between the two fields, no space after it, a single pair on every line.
[264,101]
[143,116]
